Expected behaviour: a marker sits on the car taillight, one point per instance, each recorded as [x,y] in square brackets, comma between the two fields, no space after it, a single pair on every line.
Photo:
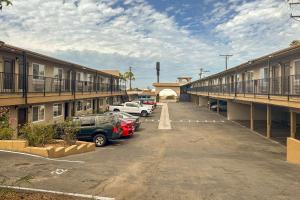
[115,130]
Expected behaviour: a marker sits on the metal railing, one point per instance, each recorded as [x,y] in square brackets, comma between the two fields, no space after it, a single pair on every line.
[277,86]
[16,83]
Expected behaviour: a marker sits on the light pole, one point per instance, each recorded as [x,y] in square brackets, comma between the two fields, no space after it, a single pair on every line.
[226,59]
[130,77]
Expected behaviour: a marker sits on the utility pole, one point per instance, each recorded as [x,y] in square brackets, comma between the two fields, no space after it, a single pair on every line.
[202,71]
[157,71]
[226,59]
[130,77]
[294,4]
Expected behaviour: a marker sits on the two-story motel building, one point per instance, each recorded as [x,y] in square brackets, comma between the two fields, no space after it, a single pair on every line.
[265,92]
[40,89]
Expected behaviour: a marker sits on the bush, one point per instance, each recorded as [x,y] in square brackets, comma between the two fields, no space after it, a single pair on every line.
[6,133]
[68,130]
[37,134]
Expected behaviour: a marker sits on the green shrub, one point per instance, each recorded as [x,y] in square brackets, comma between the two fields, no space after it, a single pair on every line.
[68,130]
[6,133]
[37,134]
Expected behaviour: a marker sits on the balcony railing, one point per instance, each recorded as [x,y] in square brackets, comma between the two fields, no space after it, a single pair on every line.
[277,86]
[18,83]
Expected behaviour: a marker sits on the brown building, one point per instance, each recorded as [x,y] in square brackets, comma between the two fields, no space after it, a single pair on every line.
[40,89]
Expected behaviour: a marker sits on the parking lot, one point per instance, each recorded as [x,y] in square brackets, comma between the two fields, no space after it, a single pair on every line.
[202,156]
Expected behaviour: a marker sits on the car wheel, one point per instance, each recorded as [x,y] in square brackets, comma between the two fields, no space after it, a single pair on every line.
[100,140]
[144,113]
[116,110]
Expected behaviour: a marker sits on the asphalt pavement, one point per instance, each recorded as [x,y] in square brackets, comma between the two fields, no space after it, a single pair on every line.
[203,156]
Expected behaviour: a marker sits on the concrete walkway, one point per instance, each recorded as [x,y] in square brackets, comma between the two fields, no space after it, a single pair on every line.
[164,122]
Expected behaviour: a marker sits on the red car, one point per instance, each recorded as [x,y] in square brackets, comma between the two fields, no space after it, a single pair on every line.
[149,102]
[127,127]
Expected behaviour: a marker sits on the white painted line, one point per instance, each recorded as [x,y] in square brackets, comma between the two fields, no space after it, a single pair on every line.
[36,156]
[164,122]
[59,171]
[58,193]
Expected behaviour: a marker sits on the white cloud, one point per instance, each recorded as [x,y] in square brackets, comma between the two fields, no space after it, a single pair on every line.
[258,28]
[135,31]
[119,34]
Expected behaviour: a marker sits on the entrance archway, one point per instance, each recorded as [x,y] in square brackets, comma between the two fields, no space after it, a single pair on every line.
[168,95]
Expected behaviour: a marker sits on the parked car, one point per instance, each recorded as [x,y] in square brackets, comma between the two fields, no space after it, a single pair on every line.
[133,108]
[126,116]
[145,105]
[149,102]
[127,128]
[99,129]
[222,106]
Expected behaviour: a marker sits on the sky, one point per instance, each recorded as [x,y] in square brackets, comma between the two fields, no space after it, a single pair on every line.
[183,35]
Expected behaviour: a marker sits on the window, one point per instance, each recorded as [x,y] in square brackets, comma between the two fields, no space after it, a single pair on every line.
[250,75]
[79,76]
[90,78]
[297,70]
[38,113]
[57,109]
[132,105]
[265,73]
[79,106]
[58,73]
[101,102]
[38,71]
[88,104]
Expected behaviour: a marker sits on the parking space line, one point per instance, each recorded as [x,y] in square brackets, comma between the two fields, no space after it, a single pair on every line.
[36,156]
[57,192]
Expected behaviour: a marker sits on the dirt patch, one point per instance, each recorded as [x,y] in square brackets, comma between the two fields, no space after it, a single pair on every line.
[17,195]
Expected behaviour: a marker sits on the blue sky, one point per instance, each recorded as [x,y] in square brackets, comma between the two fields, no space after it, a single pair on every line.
[183,35]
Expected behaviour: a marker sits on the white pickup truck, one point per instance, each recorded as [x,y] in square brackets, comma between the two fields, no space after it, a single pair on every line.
[133,108]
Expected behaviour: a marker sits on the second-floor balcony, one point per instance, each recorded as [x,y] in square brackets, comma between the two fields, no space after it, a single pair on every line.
[18,83]
[277,86]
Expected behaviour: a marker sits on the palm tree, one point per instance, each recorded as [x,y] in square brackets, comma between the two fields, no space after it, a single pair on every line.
[295,43]
[129,76]
[122,77]
[8,2]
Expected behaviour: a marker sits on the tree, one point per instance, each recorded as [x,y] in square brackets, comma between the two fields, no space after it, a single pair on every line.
[295,43]
[7,2]
[122,78]
[129,76]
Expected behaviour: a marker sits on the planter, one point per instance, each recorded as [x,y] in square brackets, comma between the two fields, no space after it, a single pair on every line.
[49,151]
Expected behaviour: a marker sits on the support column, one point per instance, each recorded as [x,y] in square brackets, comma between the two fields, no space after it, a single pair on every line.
[218,106]
[293,124]
[252,116]
[269,121]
